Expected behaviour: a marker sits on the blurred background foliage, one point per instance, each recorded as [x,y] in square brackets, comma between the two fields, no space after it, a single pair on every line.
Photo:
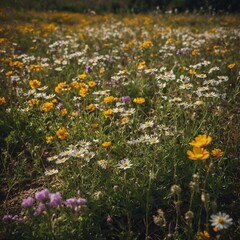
[125,6]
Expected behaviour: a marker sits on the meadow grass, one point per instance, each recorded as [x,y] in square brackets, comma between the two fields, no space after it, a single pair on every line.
[119,127]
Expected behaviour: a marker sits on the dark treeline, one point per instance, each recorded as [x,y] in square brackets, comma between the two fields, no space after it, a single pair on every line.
[126,6]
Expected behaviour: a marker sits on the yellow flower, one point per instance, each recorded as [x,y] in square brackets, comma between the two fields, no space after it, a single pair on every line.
[192,72]
[109,99]
[146,44]
[9,73]
[201,141]
[108,113]
[47,106]
[34,83]
[2,100]
[49,139]
[194,52]
[91,107]
[77,84]
[82,76]
[203,235]
[216,152]
[63,112]
[125,120]
[107,144]
[102,71]
[141,65]
[94,125]
[83,92]
[232,65]
[62,86]
[139,100]
[92,84]
[33,102]
[62,133]
[198,154]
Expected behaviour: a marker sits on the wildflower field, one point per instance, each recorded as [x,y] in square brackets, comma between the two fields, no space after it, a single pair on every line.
[119,126]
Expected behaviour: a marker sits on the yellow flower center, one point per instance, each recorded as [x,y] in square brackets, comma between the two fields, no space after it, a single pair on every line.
[221,220]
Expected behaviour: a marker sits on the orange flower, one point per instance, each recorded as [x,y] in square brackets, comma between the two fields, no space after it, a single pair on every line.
[232,65]
[216,152]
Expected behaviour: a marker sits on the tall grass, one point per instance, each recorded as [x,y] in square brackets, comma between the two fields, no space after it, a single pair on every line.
[119,127]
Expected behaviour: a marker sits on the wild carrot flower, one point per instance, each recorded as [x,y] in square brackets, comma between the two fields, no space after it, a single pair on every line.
[216,152]
[221,221]
[139,100]
[201,141]
[62,133]
[198,154]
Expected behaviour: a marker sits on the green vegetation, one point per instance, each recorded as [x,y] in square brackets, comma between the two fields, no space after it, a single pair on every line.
[119,126]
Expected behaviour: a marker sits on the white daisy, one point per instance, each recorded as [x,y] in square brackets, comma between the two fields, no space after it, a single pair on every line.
[124,164]
[51,172]
[221,221]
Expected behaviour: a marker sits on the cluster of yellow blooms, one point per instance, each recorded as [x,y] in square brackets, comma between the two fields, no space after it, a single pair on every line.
[199,152]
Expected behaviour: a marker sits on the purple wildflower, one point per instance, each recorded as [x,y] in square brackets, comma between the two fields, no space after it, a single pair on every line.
[88,69]
[126,99]
[81,201]
[27,202]
[60,106]
[41,207]
[70,202]
[7,218]
[42,195]
[55,199]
